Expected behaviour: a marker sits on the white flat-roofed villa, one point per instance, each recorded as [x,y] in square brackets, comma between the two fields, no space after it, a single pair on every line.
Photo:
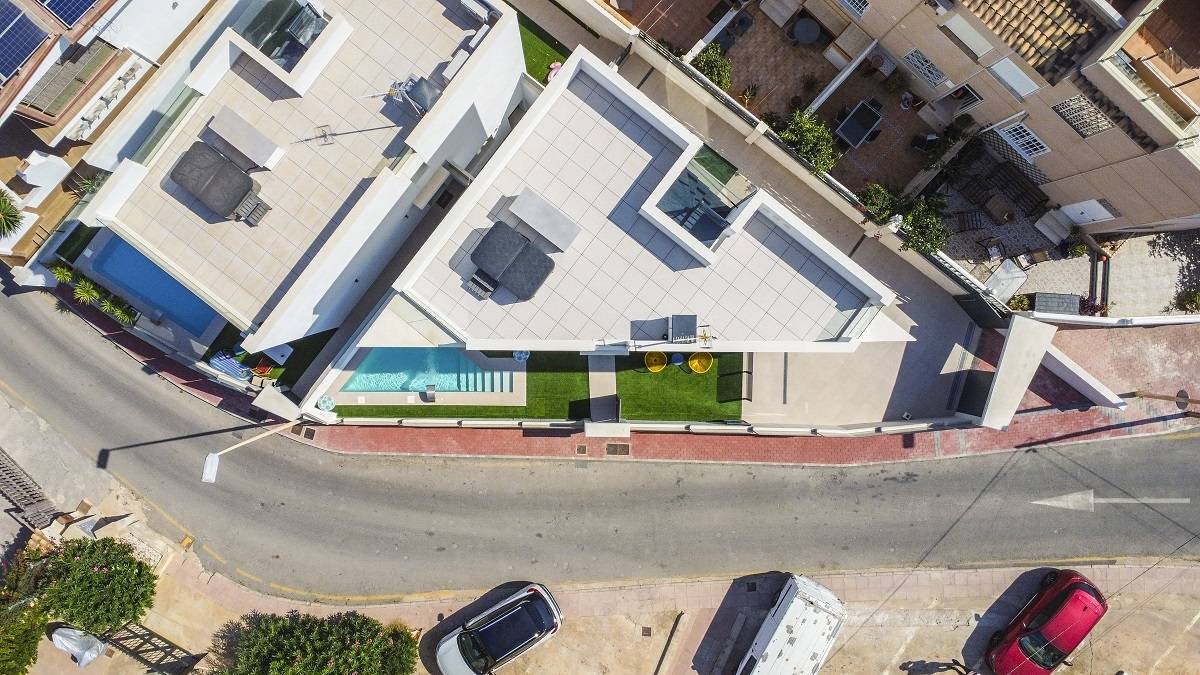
[370,213]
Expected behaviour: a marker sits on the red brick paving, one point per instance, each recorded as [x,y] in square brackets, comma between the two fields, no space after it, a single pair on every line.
[1049,414]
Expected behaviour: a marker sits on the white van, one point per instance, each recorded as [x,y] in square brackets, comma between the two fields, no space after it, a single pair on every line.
[797,635]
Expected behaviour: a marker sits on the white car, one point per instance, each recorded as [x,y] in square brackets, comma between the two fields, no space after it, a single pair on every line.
[510,628]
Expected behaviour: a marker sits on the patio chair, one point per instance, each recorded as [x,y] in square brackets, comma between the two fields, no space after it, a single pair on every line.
[875,104]
[873,135]
[482,285]
[842,115]
[1028,259]
[993,249]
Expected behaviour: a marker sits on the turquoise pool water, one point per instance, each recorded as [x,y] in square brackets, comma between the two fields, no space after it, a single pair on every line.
[133,276]
[388,369]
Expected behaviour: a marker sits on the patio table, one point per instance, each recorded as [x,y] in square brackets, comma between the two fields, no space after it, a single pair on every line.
[1006,280]
[859,124]
[1001,208]
[806,31]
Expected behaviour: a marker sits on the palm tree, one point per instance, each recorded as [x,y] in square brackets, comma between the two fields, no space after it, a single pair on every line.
[10,215]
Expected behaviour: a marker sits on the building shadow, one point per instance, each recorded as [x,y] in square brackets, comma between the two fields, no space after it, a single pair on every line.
[736,621]
[1002,610]
[429,641]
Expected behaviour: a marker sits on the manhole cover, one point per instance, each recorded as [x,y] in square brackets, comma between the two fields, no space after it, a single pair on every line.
[616,449]
[581,449]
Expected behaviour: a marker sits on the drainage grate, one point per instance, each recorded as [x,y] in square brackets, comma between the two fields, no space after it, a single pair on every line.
[297,428]
[310,434]
[645,631]
[36,511]
[581,449]
[616,449]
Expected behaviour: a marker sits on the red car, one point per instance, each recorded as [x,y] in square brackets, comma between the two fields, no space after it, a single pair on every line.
[1053,623]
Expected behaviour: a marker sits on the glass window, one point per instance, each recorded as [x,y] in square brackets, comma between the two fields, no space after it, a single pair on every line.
[1024,141]
[1038,649]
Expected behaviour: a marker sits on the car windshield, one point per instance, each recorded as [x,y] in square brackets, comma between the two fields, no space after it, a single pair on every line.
[509,632]
[1038,649]
[473,653]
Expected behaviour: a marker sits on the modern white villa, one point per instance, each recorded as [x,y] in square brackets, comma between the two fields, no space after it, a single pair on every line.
[377,199]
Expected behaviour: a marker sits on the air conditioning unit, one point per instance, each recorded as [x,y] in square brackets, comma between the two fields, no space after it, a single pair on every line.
[940,7]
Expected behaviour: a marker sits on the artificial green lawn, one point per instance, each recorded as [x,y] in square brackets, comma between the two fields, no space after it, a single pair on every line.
[540,48]
[678,394]
[556,389]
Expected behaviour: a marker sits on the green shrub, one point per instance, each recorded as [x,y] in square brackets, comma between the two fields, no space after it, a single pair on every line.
[86,291]
[21,629]
[97,585]
[1076,248]
[1187,300]
[880,201]
[123,314]
[301,643]
[774,120]
[713,64]
[64,274]
[809,136]
[1019,303]
[10,215]
[923,228]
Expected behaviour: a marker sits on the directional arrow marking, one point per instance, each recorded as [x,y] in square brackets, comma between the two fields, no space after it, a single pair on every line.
[1086,500]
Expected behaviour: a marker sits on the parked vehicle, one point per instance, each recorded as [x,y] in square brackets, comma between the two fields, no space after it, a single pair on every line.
[1051,625]
[502,633]
[797,635]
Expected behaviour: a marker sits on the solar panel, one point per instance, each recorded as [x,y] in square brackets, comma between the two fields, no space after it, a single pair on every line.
[8,12]
[17,44]
[69,11]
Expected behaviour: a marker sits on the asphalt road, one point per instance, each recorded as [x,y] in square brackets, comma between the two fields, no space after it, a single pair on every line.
[371,527]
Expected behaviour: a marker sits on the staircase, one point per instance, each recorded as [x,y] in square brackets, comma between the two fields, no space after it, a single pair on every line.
[478,380]
[1055,225]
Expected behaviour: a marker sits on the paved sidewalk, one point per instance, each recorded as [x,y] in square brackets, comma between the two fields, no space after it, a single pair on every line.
[937,615]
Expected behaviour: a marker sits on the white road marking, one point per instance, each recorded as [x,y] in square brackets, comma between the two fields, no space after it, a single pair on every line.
[1161,659]
[1086,500]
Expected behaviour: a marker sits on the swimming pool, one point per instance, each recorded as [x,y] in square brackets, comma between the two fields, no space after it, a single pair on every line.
[387,369]
[133,276]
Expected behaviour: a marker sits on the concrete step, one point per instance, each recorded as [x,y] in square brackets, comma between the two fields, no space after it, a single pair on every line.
[1056,226]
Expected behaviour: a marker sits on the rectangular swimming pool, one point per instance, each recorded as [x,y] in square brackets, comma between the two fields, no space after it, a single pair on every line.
[133,276]
[388,369]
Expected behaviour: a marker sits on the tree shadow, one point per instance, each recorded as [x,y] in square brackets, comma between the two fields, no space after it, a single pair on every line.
[430,639]
[1184,248]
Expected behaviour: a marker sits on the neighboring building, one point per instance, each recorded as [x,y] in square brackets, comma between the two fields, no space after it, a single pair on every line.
[66,68]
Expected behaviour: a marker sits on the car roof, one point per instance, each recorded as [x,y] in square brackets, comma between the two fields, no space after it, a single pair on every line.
[1074,620]
[511,629]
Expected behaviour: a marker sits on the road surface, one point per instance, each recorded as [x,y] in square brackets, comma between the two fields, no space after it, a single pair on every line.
[302,522]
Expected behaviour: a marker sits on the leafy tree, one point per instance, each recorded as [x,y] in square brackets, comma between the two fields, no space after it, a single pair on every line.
[923,227]
[86,291]
[20,632]
[880,201]
[302,643]
[810,137]
[713,64]
[97,585]
[10,215]
[1187,300]
[22,621]
[63,273]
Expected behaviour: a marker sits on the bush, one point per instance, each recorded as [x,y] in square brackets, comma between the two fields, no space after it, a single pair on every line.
[713,64]
[97,585]
[1187,301]
[774,120]
[21,630]
[923,228]
[810,137]
[1075,248]
[880,201]
[64,274]
[301,643]
[86,291]
[1019,303]
[10,215]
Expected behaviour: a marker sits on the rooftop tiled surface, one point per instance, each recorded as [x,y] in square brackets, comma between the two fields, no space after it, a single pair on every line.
[598,164]
[317,182]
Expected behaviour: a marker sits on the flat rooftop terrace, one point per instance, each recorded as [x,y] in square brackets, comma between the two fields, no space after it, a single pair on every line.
[247,269]
[597,160]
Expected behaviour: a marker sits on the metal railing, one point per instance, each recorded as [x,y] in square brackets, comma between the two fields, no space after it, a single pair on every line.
[1124,65]
[170,116]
